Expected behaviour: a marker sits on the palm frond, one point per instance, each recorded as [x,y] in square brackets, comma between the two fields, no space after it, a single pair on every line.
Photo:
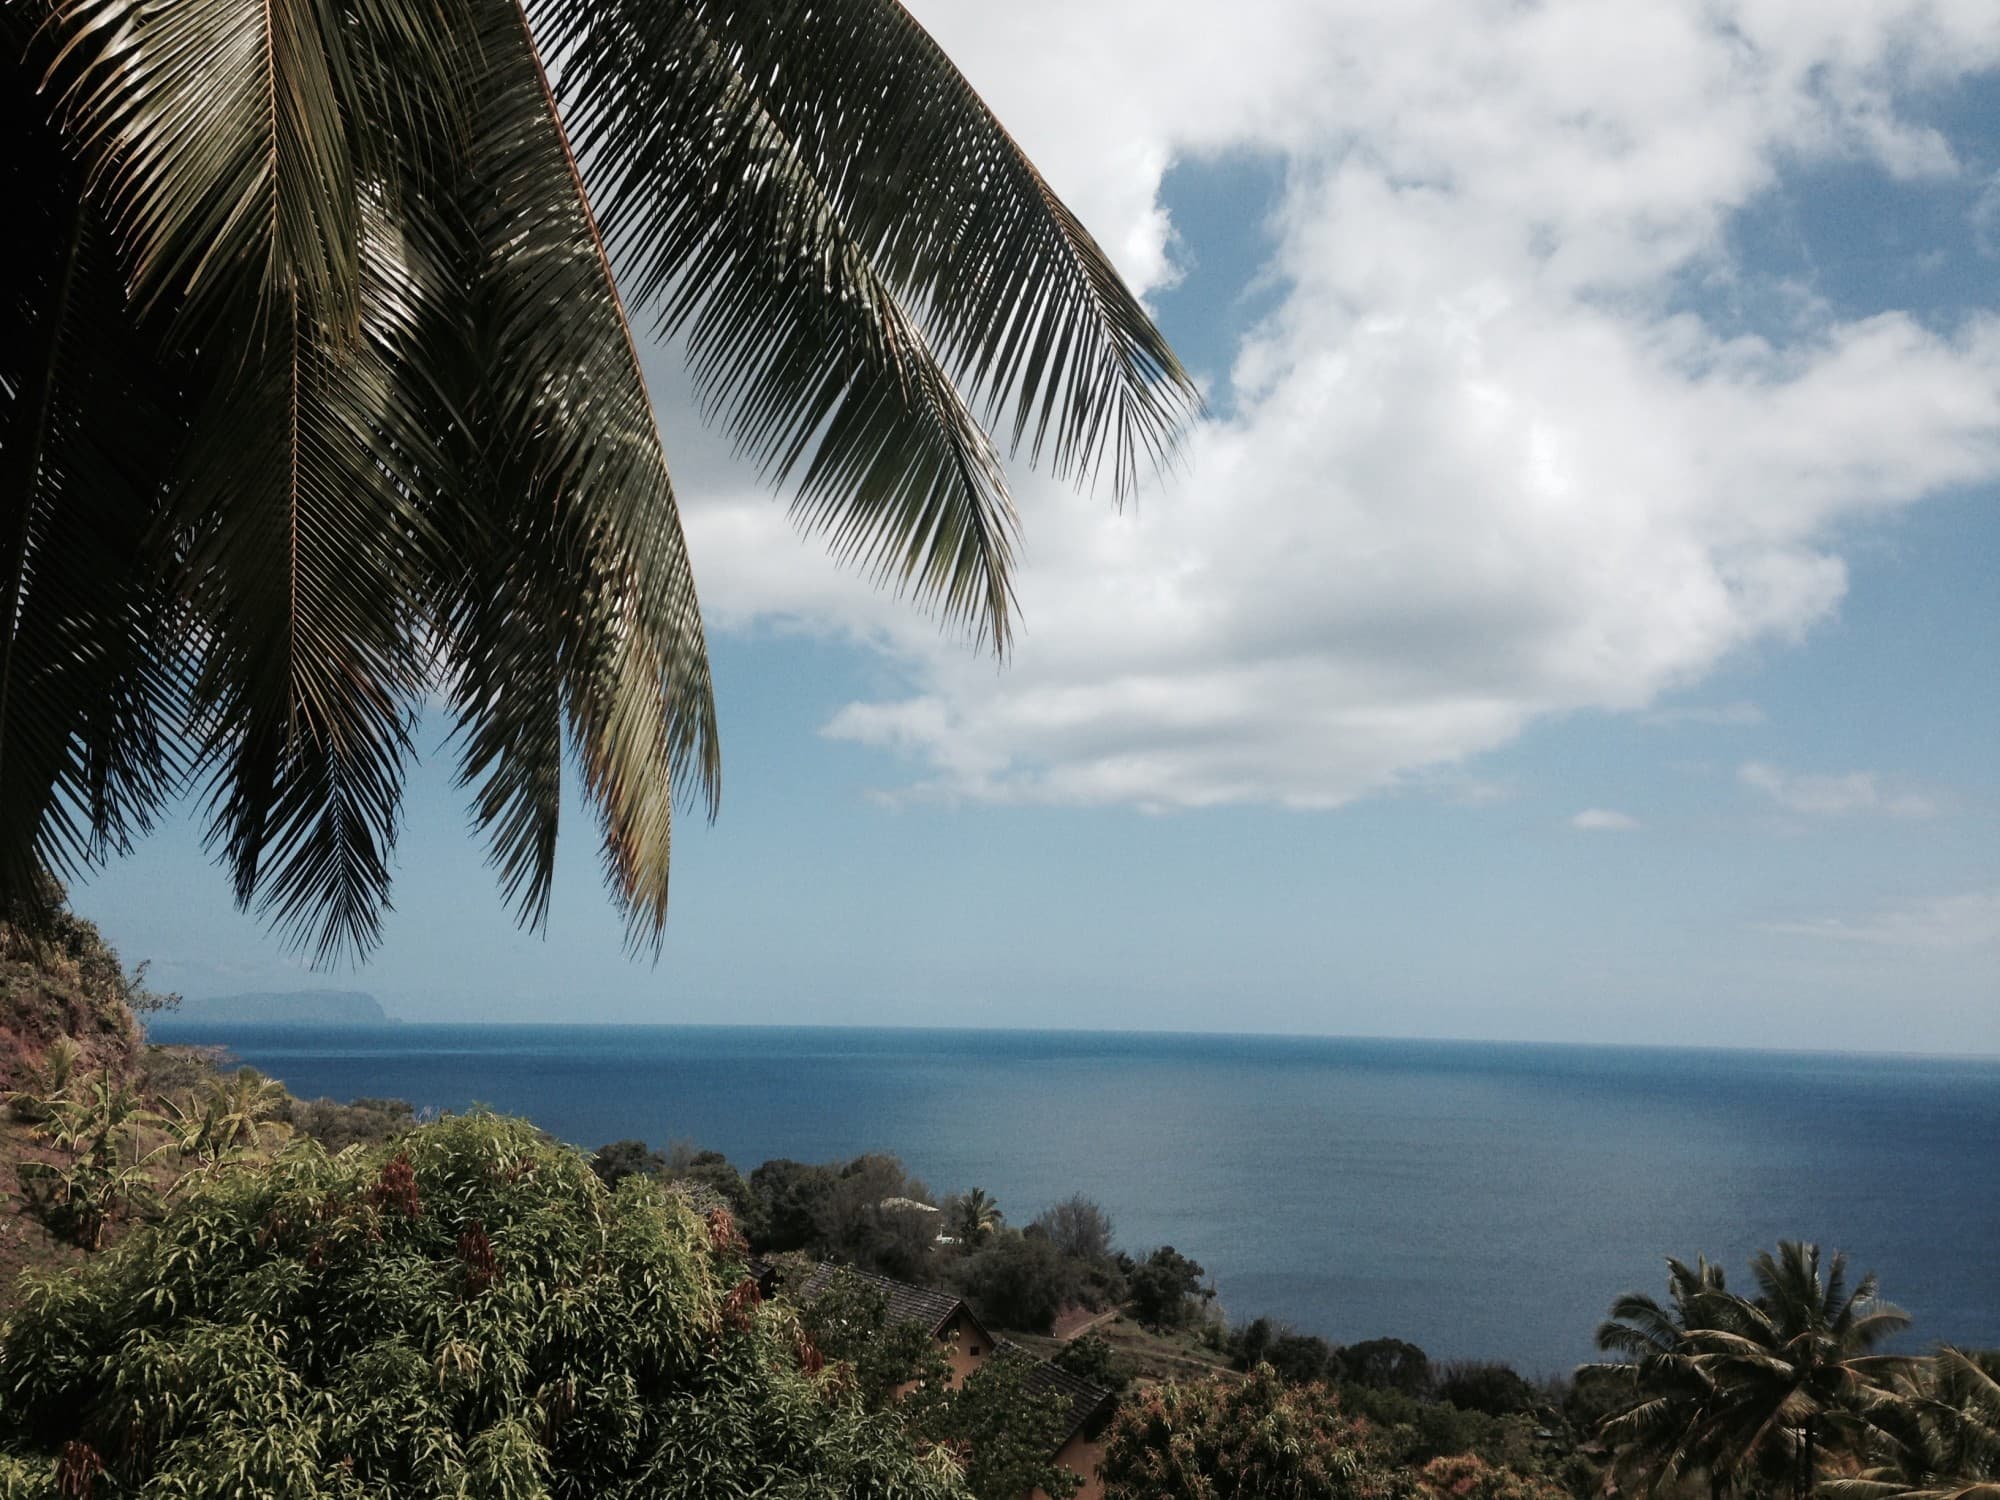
[308,554]
[1022,301]
[87,672]
[573,596]
[794,337]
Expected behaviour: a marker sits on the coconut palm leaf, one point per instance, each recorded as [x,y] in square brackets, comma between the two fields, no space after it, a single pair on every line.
[85,672]
[320,401]
[572,598]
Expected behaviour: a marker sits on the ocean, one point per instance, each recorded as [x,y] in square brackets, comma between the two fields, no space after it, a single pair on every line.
[1482,1200]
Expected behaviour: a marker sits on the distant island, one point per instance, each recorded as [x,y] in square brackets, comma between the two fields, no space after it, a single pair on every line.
[285,1008]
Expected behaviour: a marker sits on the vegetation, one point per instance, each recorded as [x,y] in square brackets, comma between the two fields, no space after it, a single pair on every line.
[239,1283]
[468,1311]
[1004,1433]
[318,395]
[1259,1440]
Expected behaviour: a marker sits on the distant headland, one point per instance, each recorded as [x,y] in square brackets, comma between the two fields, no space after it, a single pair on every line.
[285,1008]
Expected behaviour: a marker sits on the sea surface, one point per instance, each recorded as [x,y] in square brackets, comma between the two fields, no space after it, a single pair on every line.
[1481,1200]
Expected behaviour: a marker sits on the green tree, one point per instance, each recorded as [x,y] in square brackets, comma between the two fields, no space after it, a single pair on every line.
[1660,1427]
[972,1217]
[102,1170]
[468,1311]
[1388,1365]
[1004,1430]
[1090,1357]
[1260,1440]
[847,1319]
[231,1114]
[1796,1369]
[1018,1281]
[618,1160]
[1166,1288]
[319,396]
[1940,1440]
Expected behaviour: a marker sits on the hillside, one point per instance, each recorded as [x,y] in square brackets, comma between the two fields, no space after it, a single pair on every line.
[285,1008]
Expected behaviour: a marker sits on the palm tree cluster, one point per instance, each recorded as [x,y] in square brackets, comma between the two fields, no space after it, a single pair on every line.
[113,1152]
[320,402]
[1788,1391]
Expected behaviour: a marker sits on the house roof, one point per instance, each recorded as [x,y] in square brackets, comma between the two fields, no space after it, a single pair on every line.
[907,1304]
[1087,1402]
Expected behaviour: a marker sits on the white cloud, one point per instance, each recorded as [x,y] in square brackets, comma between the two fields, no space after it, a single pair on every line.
[1605,820]
[1485,465]
[1947,924]
[1838,796]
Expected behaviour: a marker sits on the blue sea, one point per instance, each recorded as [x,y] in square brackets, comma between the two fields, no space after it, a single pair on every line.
[1481,1200]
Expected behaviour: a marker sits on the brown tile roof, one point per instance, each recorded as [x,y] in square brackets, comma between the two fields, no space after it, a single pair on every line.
[1088,1403]
[907,1304]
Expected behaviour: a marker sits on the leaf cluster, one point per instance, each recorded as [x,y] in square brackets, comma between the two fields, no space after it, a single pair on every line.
[468,1311]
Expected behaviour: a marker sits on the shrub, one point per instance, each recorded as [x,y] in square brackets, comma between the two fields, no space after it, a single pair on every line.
[1166,1288]
[468,1311]
[1018,1281]
[1389,1365]
[1494,1389]
[1260,1440]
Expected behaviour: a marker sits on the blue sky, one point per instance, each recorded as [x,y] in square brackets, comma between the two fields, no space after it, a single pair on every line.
[1576,620]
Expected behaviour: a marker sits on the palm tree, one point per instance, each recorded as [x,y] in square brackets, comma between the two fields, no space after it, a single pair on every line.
[974,1216]
[1795,1368]
[1661,1435]
[319,398]
[1941,1439]
[232,1115]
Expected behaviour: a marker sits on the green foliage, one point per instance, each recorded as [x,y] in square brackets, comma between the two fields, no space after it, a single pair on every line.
[1387,1364]
[1938,1438]
[622,1159]
[1212,1440]
[1006,1433]
[1297,1357]
[468,1312]
[1482,1386]
[1018,1281]
[784,1209]
[972,1217]
[707,1177]
[1758,1391]
[1091,1357]
[362,1122]
[1166,1289]
[847,1319]
[95,1126]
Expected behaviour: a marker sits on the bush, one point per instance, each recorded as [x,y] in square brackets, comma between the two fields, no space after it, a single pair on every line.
[1018,1281]
[1092,1358]
[1494,1389]
[466,1312]
[1207,1440]
[1387,1365]
[619,1160]
[1166,1288]
[336,1126]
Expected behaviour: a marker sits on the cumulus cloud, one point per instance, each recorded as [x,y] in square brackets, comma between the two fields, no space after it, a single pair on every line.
[1946,924]
[1821,796]
[1490,459]
[1605,820]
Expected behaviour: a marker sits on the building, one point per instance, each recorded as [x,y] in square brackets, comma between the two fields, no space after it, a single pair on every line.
[1091,1408]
